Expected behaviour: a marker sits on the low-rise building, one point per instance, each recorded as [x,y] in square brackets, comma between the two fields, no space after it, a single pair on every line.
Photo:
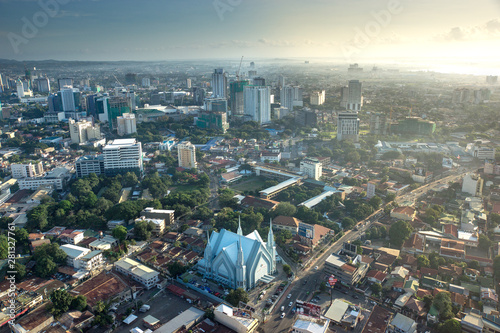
[159,224]
[402,324]
[58,178]
[165,214]
[378,321]
[239,320]
[404,213]
[74,254]
[286,223]
[347,274]
[138,272]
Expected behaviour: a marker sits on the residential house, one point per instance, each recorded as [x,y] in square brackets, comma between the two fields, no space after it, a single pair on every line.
[402,324]
[405,213]
[286,223]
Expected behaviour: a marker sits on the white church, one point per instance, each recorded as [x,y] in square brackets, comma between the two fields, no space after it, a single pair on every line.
[239,261]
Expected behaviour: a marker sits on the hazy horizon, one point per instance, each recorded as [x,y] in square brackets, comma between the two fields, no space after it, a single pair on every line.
[344,31]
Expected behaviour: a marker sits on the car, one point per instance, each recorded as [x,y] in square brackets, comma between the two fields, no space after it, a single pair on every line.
[282,308]
[316,267]
[282,315]
[290,304]
[289,296]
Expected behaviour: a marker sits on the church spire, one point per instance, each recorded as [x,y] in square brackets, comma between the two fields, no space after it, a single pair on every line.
[270,235]
[240,232]
[240,262]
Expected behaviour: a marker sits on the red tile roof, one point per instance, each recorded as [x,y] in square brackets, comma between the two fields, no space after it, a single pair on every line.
[378,321]
[451,229]
[286,221]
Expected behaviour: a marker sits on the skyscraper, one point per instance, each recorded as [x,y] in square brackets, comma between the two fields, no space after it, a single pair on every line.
[348,126]
[68,99]
[146,82]
[43,84]
[65,83]
[188,83]
[259,81]
[317,98]
[126,124]
[354,98]
[20,88]
[219,83]
[290,97]
[116,107]
[237,99]
[258,103]
[186,152]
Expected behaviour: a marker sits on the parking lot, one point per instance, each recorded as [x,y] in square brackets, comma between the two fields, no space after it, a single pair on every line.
[164,307]
[210,286]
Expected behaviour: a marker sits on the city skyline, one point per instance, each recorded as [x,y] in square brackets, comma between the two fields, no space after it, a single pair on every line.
[221,29]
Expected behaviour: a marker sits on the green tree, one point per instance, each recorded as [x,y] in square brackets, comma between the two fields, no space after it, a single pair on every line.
[390,197]
[496,267]
[376,288]
[287,270]
[45,267]
[143,230]
[61,301]
[285,209]
[20,270]
[79,303]
[120,232]
[348,223]
[450,326]
[236,296]
[423,261]
[484,243]
[442,302]
[176,268]
[399,232]
[375,202]
[129,179]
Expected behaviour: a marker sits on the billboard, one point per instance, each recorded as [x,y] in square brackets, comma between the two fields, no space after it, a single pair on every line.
[306,230]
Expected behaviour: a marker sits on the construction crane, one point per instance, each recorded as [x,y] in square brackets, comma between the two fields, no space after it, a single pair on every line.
[117,81]
[238,72]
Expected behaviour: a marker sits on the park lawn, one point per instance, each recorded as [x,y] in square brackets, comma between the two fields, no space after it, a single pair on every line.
[251,183]
[184,188]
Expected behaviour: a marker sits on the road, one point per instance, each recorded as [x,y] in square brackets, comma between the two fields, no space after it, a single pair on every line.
[307,280]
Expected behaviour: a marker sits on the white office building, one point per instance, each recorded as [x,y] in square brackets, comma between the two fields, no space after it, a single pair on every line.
[58,178]
[126,124]
[83,131]
[122,155]
[317,98]
[348,126]
[20,88]
[312,168]
[26,170]
[138,272]
[219,83]
[258,103]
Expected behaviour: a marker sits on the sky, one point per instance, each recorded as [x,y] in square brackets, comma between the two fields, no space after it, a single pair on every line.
[346,30]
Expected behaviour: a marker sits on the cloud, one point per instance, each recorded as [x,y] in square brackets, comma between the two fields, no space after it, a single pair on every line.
[488,30]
